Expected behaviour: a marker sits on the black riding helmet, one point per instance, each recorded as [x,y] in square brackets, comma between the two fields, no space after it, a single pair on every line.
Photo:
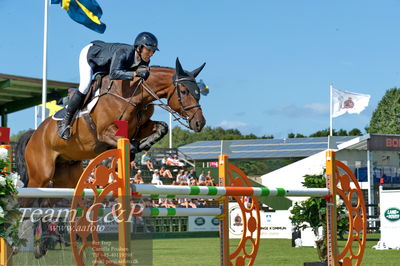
[148,40]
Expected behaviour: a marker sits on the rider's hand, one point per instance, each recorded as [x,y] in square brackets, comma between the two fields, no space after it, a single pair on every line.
[143,72]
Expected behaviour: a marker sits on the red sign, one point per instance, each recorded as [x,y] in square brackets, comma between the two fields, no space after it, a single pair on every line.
[5,134]
[213,164]
[393,142]
[122,128]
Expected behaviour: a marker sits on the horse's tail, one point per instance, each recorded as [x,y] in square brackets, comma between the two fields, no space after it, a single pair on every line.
[20,156]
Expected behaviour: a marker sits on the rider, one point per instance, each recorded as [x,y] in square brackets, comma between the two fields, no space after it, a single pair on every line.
[120,61]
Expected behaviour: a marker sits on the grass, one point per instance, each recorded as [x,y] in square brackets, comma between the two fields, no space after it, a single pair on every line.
[205,251]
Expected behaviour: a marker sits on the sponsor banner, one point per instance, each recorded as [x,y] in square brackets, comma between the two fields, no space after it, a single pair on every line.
[203,223]
[273,224]
[384,143]
[213,164]
[390,218]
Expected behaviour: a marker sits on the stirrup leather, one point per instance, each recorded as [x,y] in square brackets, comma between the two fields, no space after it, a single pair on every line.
[65,133]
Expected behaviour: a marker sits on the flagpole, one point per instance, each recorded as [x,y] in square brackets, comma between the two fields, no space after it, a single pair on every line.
[170,130]
[330,110]
[44,77]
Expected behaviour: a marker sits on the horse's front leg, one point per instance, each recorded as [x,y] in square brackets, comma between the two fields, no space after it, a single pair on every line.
[149,134]
[108,136]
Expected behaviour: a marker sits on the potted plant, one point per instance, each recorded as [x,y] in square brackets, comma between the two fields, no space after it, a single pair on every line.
[10,215]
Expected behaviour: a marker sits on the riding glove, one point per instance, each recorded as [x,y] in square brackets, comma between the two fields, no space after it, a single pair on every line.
[143,72]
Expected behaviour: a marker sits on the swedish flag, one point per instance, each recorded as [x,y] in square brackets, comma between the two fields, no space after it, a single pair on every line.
[85,12]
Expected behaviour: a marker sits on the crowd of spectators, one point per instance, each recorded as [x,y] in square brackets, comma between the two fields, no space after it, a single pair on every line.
[170,170]
[167,171]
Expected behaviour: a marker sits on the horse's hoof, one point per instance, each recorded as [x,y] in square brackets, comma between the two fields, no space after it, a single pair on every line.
[37,252]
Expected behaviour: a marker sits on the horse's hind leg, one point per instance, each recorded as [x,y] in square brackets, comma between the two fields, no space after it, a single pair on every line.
[41,168]
[67,174]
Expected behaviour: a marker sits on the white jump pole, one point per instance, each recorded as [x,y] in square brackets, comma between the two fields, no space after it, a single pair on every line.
[51,192]
[228,191]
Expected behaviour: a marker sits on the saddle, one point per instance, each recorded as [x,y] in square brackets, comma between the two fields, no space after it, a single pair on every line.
[87,102]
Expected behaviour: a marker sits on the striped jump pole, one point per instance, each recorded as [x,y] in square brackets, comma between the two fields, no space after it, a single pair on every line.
[173,196]
[55,192]
[204,191]
[157,212]
[146,212]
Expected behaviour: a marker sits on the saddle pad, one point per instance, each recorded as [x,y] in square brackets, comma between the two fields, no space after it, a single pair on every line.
[60,114]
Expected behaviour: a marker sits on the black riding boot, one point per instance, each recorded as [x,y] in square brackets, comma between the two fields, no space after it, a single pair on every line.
[64,131]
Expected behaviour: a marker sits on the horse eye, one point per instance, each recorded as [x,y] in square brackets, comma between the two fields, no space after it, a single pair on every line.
[184,92]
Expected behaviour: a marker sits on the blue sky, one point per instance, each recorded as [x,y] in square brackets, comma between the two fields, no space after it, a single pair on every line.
[269,63]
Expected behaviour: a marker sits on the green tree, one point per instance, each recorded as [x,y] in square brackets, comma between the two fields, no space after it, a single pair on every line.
[297,135]
[386,117]
[182,137]
[313,212]
[340,132]
[15,138]
[355,132]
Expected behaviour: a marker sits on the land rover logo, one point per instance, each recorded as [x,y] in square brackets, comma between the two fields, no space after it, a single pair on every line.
[392,214]
[199,221]
[215,221]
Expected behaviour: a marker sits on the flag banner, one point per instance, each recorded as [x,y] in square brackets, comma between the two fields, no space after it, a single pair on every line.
[85,12]
[348,102]
[122,128]
[5,134]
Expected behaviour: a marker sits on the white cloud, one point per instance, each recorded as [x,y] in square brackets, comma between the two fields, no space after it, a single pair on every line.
[232,124]
[292,110]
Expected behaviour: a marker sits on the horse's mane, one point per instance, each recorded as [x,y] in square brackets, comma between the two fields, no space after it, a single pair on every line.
[163,67]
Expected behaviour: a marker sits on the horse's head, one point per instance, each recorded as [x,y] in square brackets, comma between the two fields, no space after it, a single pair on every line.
[185,96]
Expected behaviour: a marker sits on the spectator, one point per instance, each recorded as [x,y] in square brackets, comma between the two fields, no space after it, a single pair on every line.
[209,182]
[165,172]
[184,178]
[156,178]
[137,179]
[167,203]
[178,176]
[193,182]
[133,165]
[164,161]
[173,160]
[146,160]
[202,179]
[192,175]
[209,179]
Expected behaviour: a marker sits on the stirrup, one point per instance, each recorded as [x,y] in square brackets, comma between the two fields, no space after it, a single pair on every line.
[65,133]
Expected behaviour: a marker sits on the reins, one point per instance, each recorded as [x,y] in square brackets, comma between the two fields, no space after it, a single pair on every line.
[177,116]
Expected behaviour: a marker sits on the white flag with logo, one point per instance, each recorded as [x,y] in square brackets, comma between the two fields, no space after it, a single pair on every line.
[348,102]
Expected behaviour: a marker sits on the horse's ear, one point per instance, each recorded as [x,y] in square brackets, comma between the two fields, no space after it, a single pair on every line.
[179,69]
[198,70]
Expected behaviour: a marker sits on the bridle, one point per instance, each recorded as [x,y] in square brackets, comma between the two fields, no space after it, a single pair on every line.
[177,116]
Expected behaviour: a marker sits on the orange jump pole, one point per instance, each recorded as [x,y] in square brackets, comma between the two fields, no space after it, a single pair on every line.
[119,168]
[238,184]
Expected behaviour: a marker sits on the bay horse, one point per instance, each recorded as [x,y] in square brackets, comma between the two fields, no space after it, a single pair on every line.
[52,161]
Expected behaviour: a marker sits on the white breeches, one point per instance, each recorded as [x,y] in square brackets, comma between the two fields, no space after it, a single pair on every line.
[85,71]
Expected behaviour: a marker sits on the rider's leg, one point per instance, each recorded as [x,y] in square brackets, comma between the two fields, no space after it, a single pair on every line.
[76,100]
